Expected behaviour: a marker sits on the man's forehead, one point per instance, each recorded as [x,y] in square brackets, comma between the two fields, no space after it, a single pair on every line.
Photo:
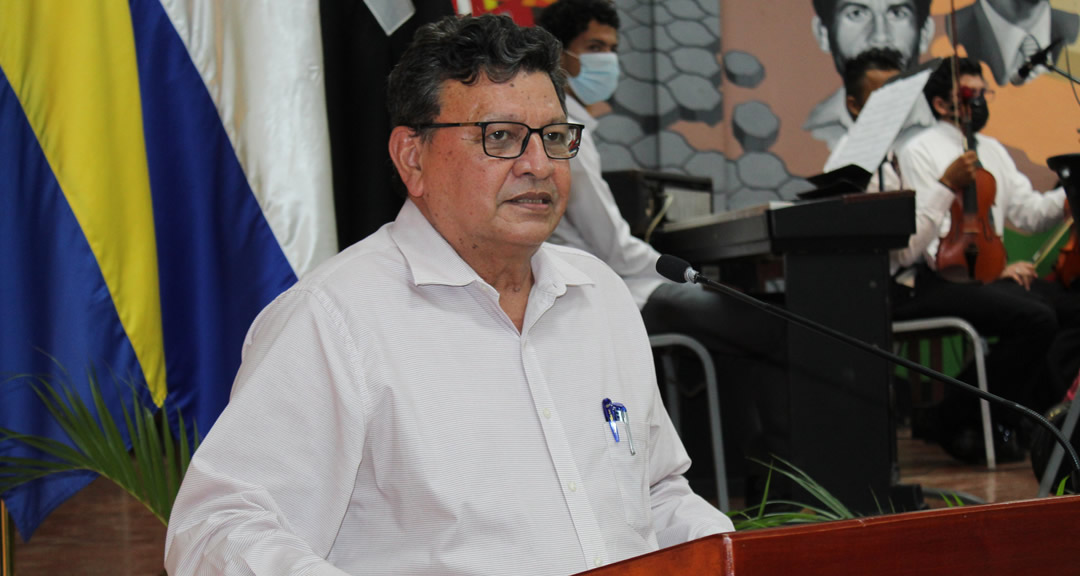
[525,95]
[972,80]
[598,32]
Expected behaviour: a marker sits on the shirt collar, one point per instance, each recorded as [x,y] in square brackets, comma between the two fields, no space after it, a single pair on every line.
[432,260]
[1010,36]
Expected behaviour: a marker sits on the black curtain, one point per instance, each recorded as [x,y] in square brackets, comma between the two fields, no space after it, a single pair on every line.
[357,57]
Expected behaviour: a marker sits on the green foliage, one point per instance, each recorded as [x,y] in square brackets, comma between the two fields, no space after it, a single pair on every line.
[772,513]
[954,501]
[1062,487]
[151,472]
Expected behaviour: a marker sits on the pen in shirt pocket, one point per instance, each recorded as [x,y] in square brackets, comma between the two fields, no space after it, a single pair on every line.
[615,413]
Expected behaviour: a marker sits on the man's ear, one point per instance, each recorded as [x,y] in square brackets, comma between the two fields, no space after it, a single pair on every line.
[853,110]
[821,32]
[925,36]
[943,108]
[405,153]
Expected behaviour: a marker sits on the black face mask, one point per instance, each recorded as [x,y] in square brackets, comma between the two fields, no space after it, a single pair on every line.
[980,113]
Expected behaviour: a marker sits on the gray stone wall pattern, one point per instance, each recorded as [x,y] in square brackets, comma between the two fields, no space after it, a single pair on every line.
[616,157]
[743,69]
[662,40]
[665,68]
[761,170]
[642,14]
[644,152]
[674,151]
[672,71]
[687,9]
[638,39]
[620,129]
[697,61]
[666,108]
[698,98]
[638,65]
[636,97]
[712,165]
[691,33]
[755,126]
[661,16]
[793,187]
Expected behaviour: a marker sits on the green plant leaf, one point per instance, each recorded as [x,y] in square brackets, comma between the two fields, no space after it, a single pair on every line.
[151,471]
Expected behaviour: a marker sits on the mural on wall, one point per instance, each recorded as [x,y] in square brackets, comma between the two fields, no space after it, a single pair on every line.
[749,93]
[845,29]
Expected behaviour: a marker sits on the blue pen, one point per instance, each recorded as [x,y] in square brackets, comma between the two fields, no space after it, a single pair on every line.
[609,416]
[615,413]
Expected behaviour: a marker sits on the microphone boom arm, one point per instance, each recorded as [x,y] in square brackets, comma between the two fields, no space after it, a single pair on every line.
[669,266]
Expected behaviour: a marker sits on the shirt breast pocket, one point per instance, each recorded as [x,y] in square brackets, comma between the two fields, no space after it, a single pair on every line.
[632,476]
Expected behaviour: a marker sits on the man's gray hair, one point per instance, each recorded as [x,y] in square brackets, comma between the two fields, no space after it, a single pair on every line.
[462,49]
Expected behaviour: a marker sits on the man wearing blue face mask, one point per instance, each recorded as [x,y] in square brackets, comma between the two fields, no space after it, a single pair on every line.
[746,343]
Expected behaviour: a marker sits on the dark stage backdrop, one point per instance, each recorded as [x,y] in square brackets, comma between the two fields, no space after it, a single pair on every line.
[358,56]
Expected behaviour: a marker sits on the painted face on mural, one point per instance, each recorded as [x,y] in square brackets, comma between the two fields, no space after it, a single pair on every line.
[858,25]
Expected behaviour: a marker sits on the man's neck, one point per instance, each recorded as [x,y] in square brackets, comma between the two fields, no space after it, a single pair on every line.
[511,276]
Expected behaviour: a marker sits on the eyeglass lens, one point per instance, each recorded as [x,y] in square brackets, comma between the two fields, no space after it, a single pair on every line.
[509,139]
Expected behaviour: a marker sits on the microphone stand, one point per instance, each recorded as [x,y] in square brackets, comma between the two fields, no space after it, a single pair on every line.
[1053,67]
[667,265]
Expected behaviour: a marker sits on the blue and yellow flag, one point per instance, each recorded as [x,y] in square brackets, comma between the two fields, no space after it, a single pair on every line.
[164,174]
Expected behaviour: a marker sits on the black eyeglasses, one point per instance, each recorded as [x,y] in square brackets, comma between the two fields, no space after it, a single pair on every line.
[508,140]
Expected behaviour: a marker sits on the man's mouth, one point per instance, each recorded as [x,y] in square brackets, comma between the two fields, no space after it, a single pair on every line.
[532,198]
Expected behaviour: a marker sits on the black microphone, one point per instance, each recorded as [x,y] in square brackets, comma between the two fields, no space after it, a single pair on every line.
[1039,58]
[678,270]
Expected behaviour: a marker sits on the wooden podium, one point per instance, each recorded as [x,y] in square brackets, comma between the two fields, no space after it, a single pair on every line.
[1029,537]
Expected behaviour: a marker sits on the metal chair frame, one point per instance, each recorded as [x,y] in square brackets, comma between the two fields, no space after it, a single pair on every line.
[979,351]
[672,400]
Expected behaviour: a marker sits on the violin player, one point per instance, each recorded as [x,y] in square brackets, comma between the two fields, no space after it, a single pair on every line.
[1033,324]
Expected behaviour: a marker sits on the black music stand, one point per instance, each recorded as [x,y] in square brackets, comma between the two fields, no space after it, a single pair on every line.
[1067,167]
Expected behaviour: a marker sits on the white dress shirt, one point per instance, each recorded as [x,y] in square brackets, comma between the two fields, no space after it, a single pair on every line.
[593,222]
[388,418]
[923,161]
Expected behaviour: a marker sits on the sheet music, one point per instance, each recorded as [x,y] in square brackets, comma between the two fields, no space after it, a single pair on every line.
[879,123]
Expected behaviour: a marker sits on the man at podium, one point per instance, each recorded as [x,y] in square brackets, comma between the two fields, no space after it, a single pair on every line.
[451,395]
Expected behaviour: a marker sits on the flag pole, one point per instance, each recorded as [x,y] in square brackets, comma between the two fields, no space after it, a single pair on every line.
[7,543]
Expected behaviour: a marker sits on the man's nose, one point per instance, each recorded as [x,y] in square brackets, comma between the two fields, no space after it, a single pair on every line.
[879,31]
[535,160]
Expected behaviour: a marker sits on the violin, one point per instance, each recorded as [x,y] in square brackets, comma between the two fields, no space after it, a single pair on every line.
[972,250]
[1067,266]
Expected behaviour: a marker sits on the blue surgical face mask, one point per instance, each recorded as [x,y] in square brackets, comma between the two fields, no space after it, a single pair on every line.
[597,78]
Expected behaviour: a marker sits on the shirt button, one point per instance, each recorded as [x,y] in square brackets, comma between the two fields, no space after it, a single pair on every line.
[572,486]
[599,561]
[547,413]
